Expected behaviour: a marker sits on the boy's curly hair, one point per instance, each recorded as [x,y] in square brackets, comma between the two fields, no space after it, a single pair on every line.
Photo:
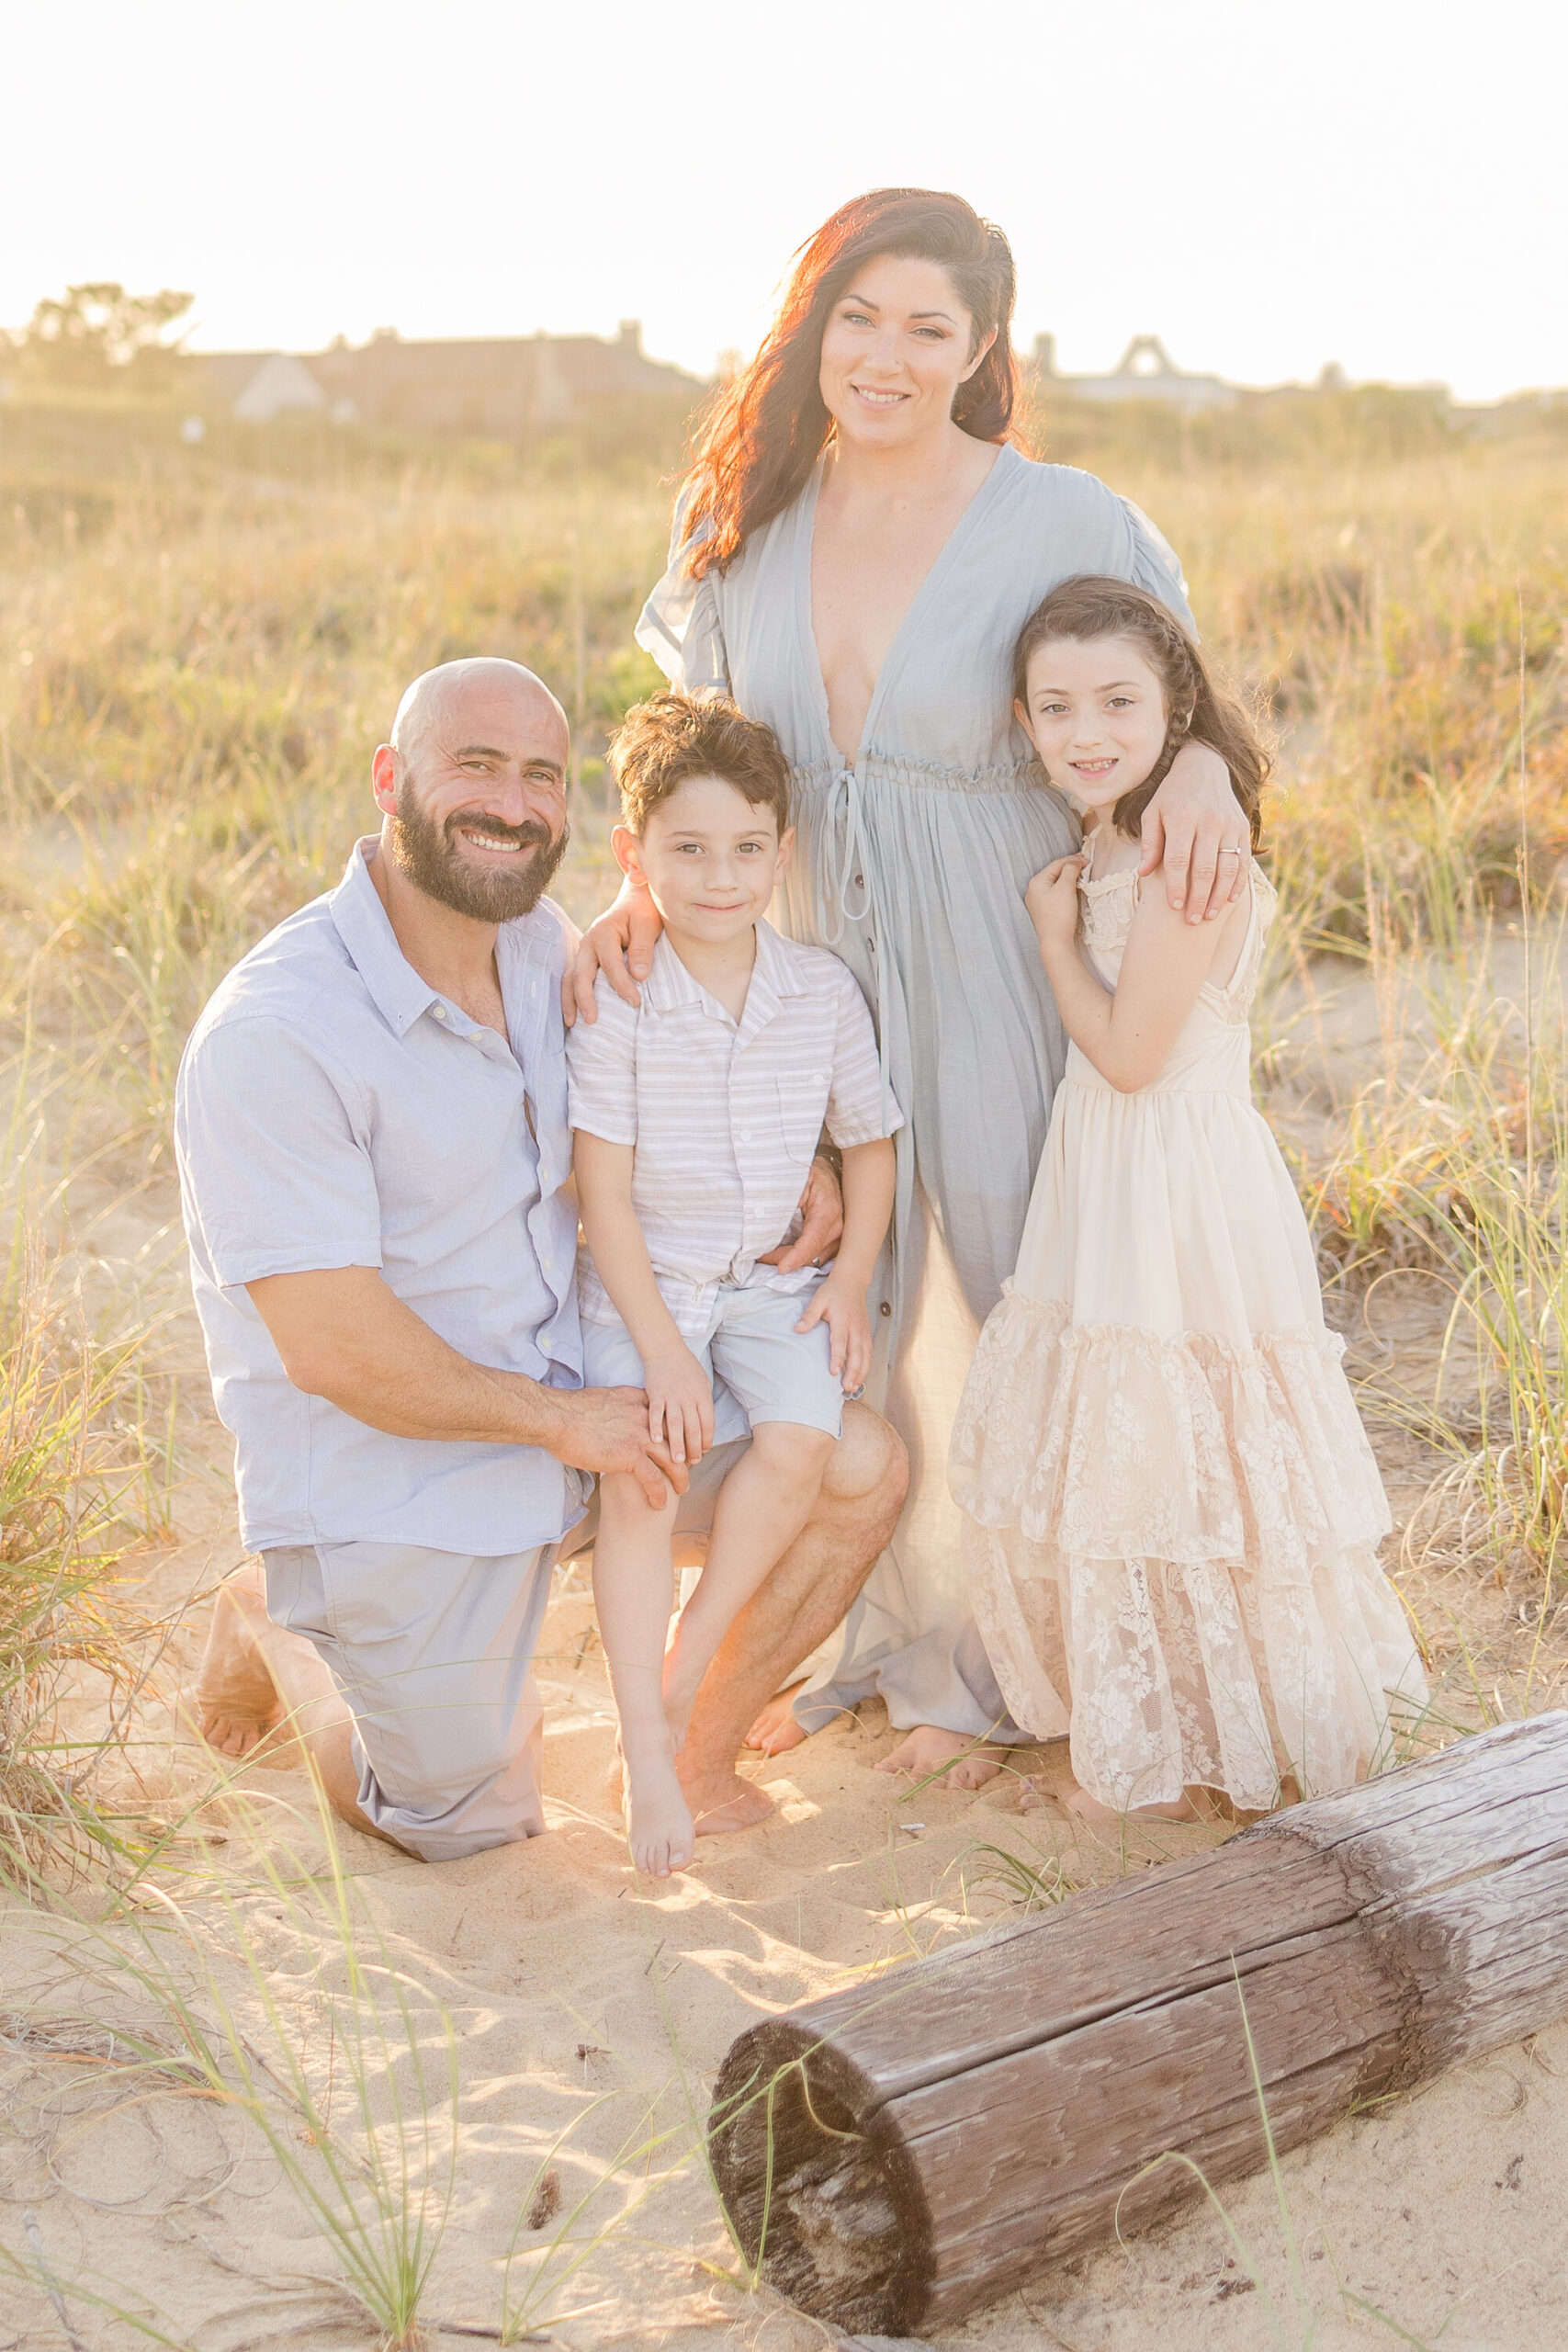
[664,742]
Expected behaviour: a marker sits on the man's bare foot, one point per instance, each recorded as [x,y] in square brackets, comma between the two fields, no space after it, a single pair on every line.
[236,1703]
[923,1752]
[658,1826]
[776,1730]
[722,1801]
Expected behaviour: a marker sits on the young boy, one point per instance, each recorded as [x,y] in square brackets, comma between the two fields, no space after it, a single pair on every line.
[696,1119]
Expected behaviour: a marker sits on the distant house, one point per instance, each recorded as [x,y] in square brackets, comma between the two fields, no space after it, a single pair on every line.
[1146,371]
[502,387]
[277,384]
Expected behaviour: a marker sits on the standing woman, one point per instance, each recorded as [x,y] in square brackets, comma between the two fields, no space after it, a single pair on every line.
[856,546]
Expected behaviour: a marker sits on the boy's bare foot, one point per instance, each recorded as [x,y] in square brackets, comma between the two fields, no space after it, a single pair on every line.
[658,1826]
[721,1802]
[236,1703]
[776,1730]
[923,1751]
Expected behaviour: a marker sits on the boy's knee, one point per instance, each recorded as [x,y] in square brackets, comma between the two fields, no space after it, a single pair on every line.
[792,1446]
[622,1502]
[870,1463]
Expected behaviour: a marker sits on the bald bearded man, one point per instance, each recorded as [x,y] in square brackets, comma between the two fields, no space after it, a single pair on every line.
[375,1165]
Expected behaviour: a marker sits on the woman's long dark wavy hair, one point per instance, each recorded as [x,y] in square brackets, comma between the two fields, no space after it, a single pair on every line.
[756,450]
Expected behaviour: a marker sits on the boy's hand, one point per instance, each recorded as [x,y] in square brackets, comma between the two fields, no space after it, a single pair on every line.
[840,1304]
[606,1429]
[680,1404]
[1052,900]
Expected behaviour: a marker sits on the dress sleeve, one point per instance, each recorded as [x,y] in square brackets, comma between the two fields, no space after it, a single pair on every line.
[601,1069]
[1152,564]
[680,624]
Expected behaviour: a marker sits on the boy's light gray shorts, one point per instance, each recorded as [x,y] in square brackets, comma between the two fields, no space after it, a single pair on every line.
[762,1368]
[433,1651]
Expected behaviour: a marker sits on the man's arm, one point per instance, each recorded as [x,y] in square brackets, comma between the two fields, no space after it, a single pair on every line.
[620,943]
[822,1221]
[343,1334]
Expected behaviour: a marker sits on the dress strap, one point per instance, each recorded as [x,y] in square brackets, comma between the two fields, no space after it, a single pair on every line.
[843,808]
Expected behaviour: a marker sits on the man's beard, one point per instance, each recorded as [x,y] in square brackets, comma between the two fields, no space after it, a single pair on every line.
[494,892]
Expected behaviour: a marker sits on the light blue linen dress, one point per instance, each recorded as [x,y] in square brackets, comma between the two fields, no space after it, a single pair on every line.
[911,864]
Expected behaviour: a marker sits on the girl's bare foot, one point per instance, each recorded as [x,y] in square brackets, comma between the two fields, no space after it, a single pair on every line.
[923,1752]
[776,1730]
[236,1703]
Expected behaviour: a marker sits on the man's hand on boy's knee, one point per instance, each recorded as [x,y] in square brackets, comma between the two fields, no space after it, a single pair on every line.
[822,1212]
[606,1429]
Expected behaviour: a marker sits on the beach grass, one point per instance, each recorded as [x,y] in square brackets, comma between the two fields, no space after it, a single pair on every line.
[200,649]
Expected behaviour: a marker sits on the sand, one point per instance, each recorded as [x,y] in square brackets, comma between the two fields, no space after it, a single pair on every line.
[586,2002]
[590,2011]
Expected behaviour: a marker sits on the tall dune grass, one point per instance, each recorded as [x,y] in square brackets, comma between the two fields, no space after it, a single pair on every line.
[202,648]
[75,1487]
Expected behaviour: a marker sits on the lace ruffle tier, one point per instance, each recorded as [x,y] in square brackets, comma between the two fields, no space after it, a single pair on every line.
[1173,1544]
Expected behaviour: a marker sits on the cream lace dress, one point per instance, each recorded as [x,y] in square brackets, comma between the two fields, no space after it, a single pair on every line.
[1171,1510]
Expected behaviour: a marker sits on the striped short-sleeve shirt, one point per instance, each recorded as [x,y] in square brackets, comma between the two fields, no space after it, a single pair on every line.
[726,1116]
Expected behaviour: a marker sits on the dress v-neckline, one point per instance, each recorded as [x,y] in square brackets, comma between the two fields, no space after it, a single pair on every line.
[939,563]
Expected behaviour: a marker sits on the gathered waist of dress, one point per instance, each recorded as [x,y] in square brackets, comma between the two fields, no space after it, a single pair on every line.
[874,771]
[1219,1061]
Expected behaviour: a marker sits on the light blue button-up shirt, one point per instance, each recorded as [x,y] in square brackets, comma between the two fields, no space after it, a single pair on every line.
[334,1110]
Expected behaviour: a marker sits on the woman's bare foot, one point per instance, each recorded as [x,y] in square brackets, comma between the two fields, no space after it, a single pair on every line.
[237,1705]
[1192,1805]
[659,1824]
[776,1730]
[923,1752]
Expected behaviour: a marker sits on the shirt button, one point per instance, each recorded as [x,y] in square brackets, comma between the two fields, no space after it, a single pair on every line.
[439,1011]
[887,1308]
[745,1135]
[860,881]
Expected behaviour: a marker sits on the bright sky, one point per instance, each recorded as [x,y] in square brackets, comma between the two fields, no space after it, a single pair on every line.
[1266,184]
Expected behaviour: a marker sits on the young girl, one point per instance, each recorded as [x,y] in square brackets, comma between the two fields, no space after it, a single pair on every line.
[1171,1508]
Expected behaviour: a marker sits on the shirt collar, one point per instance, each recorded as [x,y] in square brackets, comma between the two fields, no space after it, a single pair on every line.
[396,989]
[365,928]
[774,975]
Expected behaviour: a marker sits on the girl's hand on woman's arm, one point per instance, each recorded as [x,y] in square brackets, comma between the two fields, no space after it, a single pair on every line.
[1196,829]
[620,944]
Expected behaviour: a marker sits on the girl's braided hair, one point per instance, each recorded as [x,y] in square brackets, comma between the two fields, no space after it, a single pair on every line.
[1199,709]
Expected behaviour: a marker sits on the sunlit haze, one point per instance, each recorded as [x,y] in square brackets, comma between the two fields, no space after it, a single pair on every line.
[1266,186]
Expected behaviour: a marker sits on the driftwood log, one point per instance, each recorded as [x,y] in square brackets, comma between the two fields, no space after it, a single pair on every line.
[902,2151]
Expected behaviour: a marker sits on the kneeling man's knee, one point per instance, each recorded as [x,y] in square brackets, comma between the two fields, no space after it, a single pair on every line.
[869,1462]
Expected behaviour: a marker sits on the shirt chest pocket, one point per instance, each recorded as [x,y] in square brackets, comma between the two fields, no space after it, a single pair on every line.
[802,1107]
